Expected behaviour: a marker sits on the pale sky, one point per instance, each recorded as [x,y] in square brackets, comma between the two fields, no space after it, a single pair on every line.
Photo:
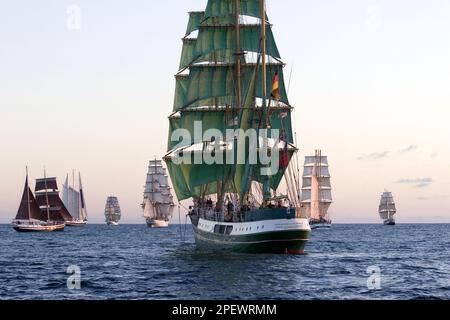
[370,83]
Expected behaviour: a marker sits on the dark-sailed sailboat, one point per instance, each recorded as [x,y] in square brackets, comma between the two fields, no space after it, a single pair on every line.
[229,66]
[40,213]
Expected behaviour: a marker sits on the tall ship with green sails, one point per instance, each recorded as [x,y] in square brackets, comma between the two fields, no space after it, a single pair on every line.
[231,144]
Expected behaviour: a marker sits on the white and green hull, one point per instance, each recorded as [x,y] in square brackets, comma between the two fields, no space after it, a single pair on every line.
[288,235]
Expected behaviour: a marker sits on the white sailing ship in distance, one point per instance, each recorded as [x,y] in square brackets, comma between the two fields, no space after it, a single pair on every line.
[316,191]
[158,202]
[387,209]
[74,201]
[112,211]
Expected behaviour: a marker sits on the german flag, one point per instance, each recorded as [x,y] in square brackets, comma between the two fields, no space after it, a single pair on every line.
[276,87]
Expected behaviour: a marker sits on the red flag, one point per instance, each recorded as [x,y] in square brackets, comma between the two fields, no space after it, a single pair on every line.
[276,87]
[284,154]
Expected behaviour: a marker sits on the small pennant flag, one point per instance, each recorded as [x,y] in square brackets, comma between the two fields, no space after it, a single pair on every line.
[283,115]
[276,87]
[284,156]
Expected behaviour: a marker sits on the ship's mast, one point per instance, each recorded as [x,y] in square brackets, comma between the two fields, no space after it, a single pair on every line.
[153,191]
[238,54]
[266,184]
[46,196]
[82,209]
[28,197]
[319,174]
[387,205]
[263,51]
[73,192]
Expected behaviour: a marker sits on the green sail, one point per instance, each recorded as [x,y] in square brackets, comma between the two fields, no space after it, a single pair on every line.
[191,178]
[212,38]
[181,186]
[188,53]
[207,93]
[218,81]
[280,119]
[217,44]
[243,170]
[195,18]
[210,120]
[196,176]
[182,82]
[217,8]
[179,183]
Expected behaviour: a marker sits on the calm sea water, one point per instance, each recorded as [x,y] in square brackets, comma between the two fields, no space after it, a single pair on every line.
[135,262]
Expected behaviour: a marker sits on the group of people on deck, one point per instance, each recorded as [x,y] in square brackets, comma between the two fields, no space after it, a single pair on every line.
[229,209]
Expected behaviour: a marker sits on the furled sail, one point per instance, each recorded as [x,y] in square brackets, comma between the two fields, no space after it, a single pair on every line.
[220,85]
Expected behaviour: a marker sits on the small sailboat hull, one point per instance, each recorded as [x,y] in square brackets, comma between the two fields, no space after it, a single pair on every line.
[321,226]
[38,227]
[390,222]
[76,223]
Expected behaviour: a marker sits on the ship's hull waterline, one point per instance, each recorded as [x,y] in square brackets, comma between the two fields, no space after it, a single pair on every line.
[38,228]
[76,223]
[112,223]
[157,224]
[288,236]
[321,226]
[390,222]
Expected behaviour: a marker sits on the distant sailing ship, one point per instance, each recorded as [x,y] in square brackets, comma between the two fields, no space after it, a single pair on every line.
[74,201]
[231,78]
[112,211]
[158,202]
[387,209]
[316,192]
[44,212]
